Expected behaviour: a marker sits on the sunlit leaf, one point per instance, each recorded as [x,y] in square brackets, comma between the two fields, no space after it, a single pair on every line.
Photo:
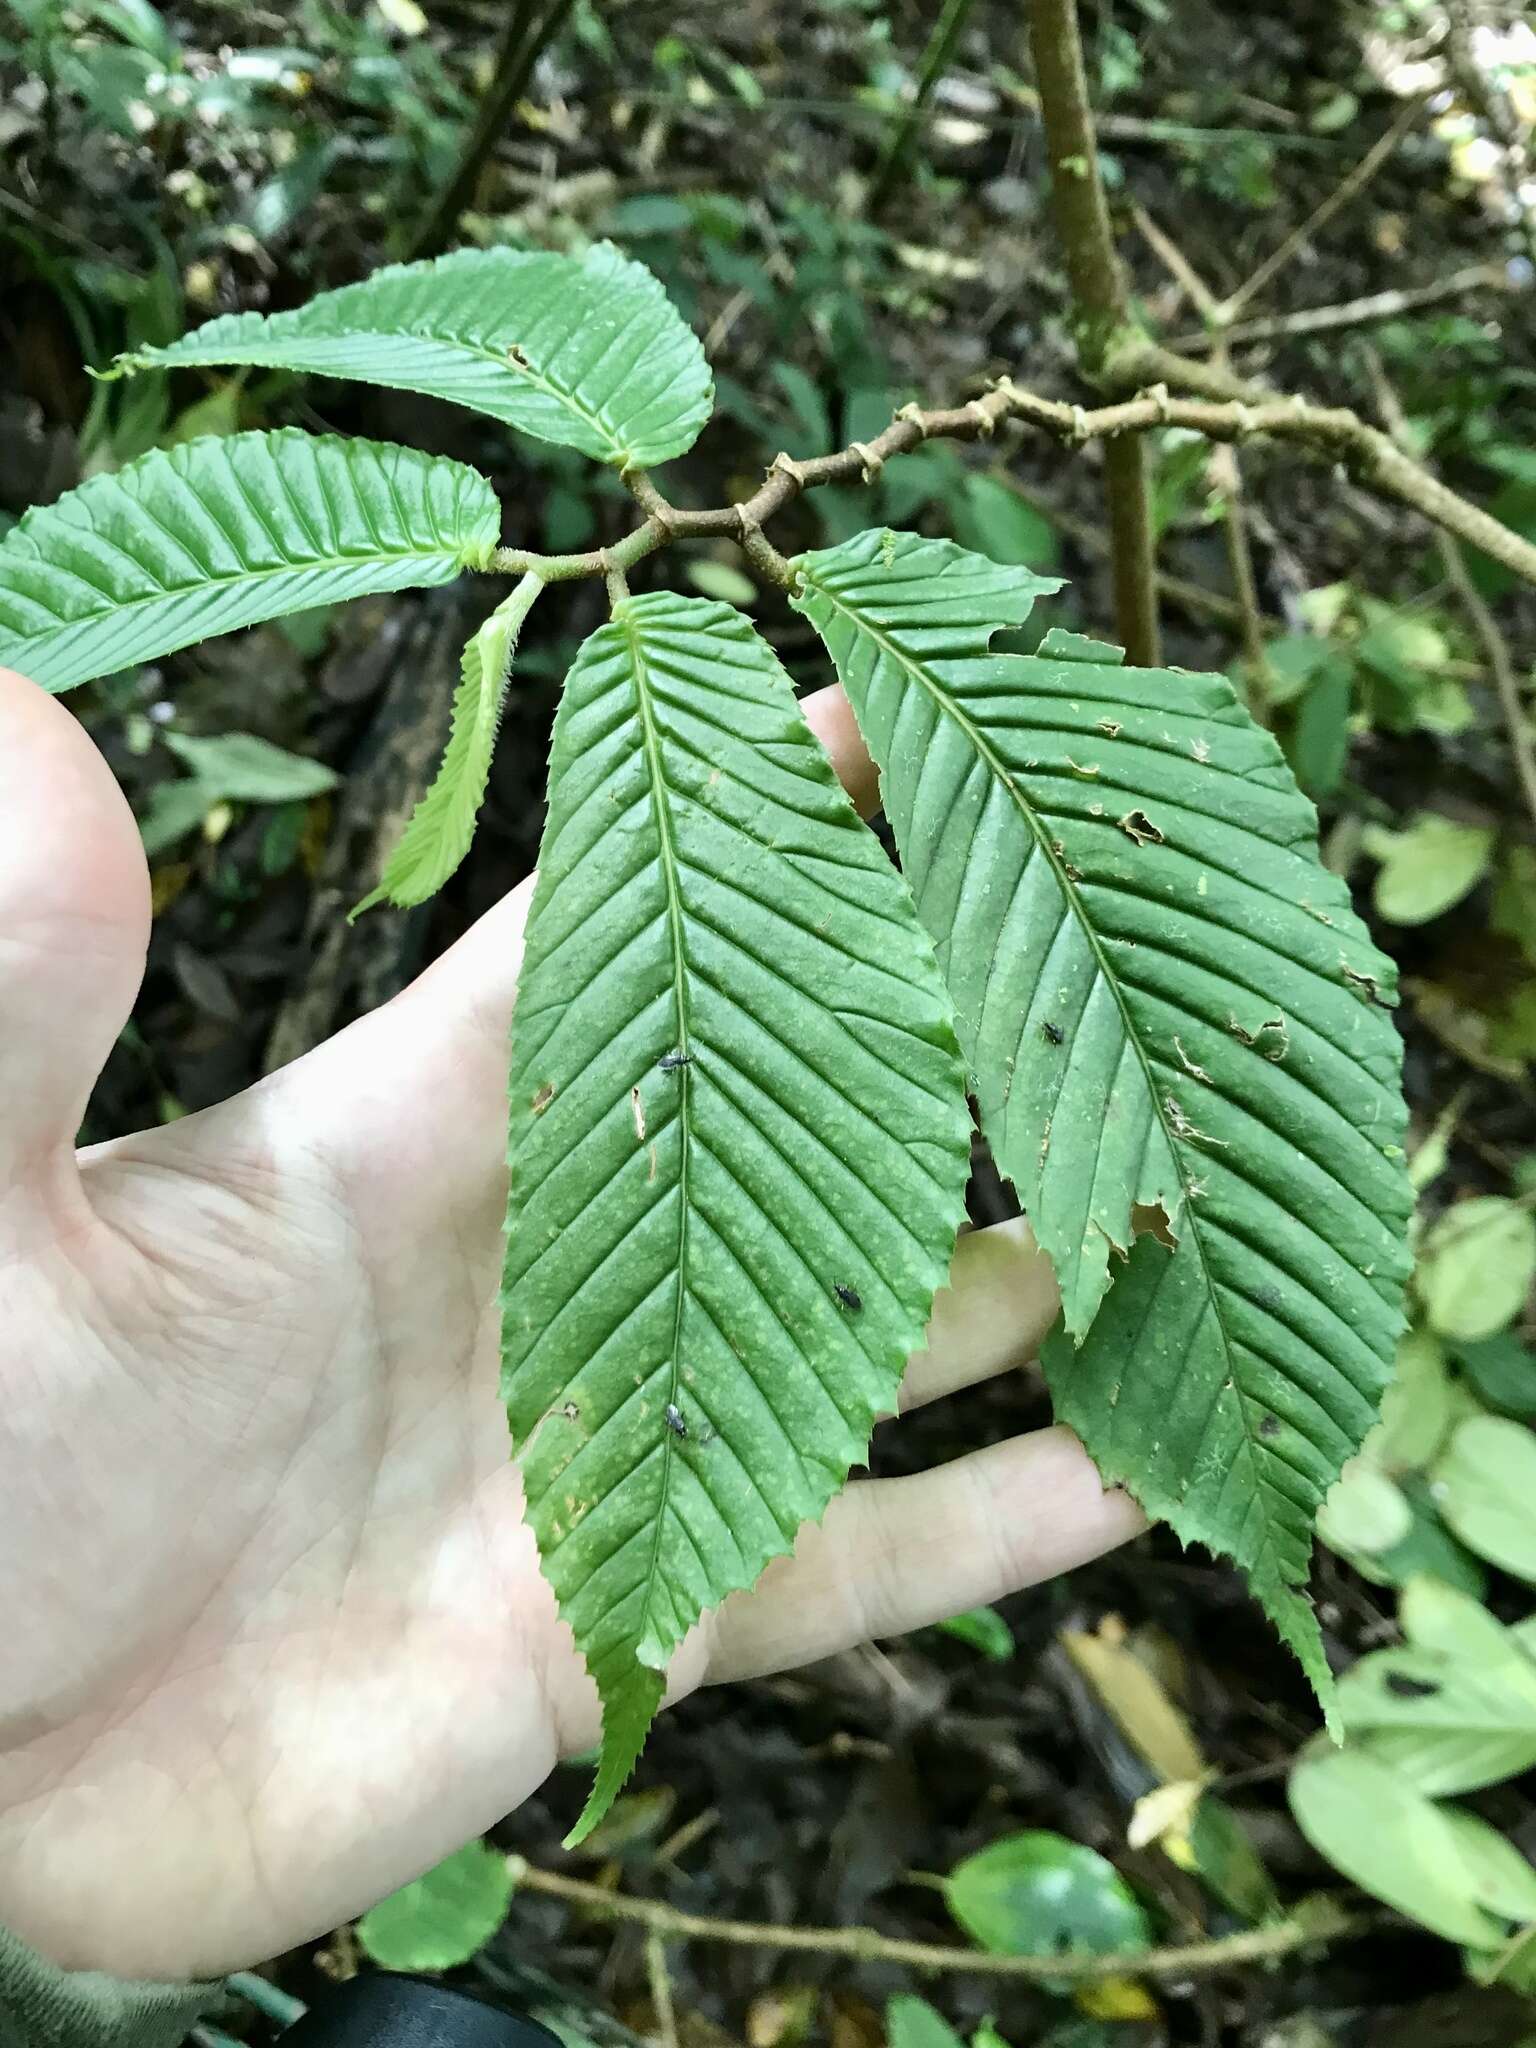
[1476,1265]
[1370,1822]
[1485,1487]
[1453,1710]
[1428,867]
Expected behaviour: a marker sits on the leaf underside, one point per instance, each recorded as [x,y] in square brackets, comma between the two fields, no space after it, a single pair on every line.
[442,826]
[586,351]
[199,540]
[735,1091]
[1176,1026]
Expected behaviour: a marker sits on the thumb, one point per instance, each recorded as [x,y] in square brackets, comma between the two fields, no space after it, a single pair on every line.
[74,926]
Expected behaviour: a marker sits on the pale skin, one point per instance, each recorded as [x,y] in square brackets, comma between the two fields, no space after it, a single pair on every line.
[275,1638]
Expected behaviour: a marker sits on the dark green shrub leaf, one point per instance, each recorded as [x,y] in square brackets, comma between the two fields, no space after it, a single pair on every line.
[739,1143]
[588,351]
[1178,1034]
[1502,1369]
[443,1918]
[202,539]
[443,823]
[1039,1894]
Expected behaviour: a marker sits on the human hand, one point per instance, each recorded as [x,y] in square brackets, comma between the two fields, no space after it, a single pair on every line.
[276,1634]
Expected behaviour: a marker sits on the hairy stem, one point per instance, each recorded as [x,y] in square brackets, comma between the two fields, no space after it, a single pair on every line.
[1228,410]
[1101,304]
[1319,1923]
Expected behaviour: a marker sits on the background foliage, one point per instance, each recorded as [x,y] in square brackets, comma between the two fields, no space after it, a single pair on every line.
[165,166]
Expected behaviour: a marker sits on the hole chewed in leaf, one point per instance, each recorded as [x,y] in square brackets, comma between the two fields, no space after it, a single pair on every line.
[1150,1219]
[1138,826]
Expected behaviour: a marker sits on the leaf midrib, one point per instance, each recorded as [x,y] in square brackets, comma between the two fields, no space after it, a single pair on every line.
[114,608]
[650,741]
[998,767]
[598,421]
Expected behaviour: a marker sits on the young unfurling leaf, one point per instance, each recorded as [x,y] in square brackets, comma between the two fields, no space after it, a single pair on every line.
[443,823]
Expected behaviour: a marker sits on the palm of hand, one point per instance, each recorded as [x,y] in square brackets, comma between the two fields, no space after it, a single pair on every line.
[279,1638]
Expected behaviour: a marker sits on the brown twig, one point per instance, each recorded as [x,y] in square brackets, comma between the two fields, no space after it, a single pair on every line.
[1484,625]
[1492,277]
[1101,304]
[1347,189]
[1322,1922]
[1227,476]
[1334,431]
[1234,411]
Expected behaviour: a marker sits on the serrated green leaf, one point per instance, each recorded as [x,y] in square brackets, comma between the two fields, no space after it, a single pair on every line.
[443,823]
[738,1143]
[586,351]
[1177,1032]
[443,1918]
[202,539]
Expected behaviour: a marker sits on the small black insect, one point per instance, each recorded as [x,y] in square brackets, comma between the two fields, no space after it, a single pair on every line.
[671,1061]
[1406,1688]
[1052,1031]
[672,1416]
[847,1297]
